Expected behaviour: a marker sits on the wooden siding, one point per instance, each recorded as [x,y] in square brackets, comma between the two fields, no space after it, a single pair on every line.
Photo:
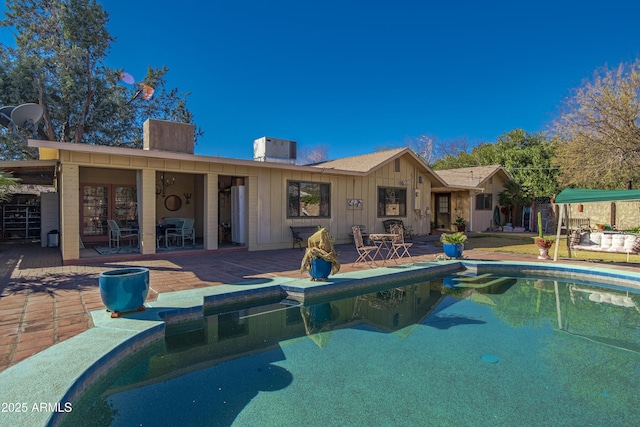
[482,219]
[267,223]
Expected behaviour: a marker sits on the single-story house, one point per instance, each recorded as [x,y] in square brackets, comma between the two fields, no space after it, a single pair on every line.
[471,193]
[249,203]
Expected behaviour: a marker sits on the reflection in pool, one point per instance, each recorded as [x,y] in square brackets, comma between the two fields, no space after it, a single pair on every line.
[463,350]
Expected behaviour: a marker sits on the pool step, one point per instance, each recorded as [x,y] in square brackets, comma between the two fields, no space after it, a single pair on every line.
[485,283]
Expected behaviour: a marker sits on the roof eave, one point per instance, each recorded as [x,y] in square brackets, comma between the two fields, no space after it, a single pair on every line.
[136,152]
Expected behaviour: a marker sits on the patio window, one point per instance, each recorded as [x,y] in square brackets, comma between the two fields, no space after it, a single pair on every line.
[484,202]
[392,201]
[309,199]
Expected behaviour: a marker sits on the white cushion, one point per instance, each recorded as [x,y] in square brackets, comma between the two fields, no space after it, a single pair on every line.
[617,242]
[629,240]
[595,238]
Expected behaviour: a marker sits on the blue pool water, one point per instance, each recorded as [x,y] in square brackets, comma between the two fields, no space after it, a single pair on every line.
[472,351]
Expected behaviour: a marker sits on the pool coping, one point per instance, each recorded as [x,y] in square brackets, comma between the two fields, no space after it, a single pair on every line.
[45,383]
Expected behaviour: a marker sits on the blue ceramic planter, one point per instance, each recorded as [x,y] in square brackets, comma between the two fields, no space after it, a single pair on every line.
[448,282]
[320,269]
[453,250]
[125,289]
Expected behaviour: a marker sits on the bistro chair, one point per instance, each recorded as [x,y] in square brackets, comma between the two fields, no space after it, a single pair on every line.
[364,252]
[117,233]
[181,233]
[399,248]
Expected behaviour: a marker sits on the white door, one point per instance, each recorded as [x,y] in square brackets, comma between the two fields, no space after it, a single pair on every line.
[238,215]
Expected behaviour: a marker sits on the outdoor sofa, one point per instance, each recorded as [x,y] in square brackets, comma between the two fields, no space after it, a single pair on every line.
[599,241]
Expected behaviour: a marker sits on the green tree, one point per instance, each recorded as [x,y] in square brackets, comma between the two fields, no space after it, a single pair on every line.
[598,132]
[514,195]
[526,156]
[6,182]
[58,62]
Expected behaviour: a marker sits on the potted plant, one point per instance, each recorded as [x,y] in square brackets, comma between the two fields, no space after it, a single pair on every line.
[320,258]
[543,243]
[124,290]
[461,224]
[453,244]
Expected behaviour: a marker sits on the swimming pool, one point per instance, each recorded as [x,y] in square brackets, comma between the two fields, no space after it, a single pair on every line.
[471,348]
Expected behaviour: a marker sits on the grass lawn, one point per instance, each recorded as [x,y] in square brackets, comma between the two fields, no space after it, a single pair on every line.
[524,244]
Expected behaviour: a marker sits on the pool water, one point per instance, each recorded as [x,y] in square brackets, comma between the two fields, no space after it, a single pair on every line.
[461,350]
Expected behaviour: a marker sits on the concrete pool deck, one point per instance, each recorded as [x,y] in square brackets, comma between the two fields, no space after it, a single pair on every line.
[43,303]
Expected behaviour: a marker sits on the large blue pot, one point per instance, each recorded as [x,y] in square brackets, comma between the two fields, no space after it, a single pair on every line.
[125,289]
[453,250]
[449,282]
[320,269]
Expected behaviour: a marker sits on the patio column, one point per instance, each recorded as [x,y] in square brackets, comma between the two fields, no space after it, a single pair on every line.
[70,211]
[210,226]
[146,187]
[559,231]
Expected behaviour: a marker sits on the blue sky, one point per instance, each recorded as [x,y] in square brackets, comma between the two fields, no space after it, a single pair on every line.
[357,75]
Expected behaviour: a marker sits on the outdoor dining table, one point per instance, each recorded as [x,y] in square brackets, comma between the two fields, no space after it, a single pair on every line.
[383,242]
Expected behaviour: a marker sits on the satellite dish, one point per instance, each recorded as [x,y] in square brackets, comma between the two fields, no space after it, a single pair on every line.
[5,116]
[27,115]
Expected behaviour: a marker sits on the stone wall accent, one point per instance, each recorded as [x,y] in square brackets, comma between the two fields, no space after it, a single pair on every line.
[623,214]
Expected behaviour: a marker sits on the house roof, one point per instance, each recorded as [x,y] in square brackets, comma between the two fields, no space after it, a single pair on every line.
[367,163]
[473,177]
[363,162]
[356,165]
[160,154]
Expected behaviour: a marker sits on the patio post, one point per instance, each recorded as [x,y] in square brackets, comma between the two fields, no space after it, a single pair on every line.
[559,231]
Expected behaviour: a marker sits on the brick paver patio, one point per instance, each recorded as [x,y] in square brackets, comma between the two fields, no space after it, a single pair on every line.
[43,302]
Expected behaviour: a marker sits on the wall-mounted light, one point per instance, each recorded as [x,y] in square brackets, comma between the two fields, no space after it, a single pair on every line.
[420,179]
[161,188]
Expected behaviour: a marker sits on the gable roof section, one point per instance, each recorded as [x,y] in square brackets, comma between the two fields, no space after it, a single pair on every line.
[364,163]
[368,163]
[472,177]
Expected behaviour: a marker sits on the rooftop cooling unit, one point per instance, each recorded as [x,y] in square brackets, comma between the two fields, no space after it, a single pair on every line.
[276,150]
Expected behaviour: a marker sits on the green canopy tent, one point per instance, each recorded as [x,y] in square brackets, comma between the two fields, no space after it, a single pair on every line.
[582,195]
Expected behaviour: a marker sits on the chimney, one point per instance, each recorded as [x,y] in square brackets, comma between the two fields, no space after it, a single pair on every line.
[164,135]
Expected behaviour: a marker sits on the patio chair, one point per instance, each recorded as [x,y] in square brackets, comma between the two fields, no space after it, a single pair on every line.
[364,252]
[118,233]
[399,248]
[181,233]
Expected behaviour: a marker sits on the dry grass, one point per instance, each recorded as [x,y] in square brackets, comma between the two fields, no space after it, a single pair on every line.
[524,244]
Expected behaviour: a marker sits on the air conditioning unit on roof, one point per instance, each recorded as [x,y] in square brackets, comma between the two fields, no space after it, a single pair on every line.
[276,150]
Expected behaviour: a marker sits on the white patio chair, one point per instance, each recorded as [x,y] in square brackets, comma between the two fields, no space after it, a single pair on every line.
[117,233]
[180,234]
